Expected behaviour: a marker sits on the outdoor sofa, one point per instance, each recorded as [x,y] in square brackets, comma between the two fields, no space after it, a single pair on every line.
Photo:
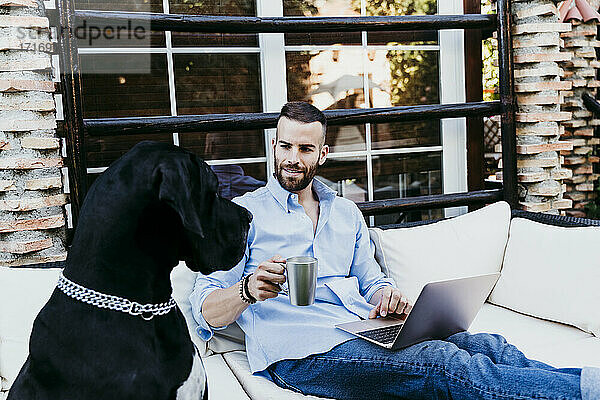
[546,301]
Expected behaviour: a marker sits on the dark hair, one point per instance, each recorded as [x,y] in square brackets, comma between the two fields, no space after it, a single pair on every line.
[303,112]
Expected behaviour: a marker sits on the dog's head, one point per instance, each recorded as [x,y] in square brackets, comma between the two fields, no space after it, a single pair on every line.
[215,229]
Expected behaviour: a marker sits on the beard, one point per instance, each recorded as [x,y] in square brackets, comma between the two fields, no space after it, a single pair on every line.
[295,184]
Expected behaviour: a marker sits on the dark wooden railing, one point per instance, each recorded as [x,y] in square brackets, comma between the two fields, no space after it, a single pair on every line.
[378,207]
[240,122]
[227,24]
[591,103]
[75,125]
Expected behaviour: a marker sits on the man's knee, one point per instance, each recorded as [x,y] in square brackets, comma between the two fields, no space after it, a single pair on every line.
[466,340]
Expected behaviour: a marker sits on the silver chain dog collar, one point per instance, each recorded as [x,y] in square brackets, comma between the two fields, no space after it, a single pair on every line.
[101,300]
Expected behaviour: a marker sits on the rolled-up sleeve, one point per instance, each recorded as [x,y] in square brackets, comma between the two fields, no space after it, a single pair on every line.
[205,285]
[364,266]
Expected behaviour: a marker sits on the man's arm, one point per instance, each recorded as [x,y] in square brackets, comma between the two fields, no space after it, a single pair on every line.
[374,286]
[224,306]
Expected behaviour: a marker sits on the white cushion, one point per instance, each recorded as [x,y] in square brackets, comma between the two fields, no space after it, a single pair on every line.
[230,339]
[551,272]
[470,244]
[259,387]
[556,344]
[222,384]
[23,293]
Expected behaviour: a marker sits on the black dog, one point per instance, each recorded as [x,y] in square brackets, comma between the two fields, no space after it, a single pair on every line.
[154,206]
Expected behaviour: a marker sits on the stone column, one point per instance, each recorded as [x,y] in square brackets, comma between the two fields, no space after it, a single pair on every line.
[32,200]
[536,54]
[581,71]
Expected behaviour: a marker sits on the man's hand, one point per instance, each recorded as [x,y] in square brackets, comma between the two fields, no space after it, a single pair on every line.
[263,283]
[390,301]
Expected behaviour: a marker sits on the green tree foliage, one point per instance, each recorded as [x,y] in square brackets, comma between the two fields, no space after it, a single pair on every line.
[593,208]
[489,55]
[414,73]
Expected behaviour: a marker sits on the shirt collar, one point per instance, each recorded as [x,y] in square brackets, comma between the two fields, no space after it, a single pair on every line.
[323,191]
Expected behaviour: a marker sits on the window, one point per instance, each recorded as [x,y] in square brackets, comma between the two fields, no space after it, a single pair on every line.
[198,73]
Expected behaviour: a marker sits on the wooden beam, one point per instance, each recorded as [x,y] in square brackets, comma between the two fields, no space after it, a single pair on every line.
[238,122]
[591,103]
[507,98]
[231,24]
[474,92]
[70,78]
[378,207]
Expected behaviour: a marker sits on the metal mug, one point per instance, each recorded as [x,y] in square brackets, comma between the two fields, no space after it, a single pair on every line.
[301,277]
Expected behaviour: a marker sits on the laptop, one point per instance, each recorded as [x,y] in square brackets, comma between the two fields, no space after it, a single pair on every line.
[442,309]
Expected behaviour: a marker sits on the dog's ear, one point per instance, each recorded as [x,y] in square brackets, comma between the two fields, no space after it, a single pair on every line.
[180,186]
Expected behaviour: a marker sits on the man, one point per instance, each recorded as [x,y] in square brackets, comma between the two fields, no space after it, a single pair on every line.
[299,347]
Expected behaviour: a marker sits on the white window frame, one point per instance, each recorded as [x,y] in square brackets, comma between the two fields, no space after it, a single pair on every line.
[452,90]
[271,48]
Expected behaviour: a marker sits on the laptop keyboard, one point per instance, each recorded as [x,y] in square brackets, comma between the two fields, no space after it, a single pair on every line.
[382,335]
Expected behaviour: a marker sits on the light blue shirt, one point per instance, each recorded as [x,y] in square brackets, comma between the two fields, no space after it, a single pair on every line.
[348,274]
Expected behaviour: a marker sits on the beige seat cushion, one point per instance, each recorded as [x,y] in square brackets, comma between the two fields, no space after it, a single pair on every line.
[258,387]
[23,293]
[553,343]
[222,384]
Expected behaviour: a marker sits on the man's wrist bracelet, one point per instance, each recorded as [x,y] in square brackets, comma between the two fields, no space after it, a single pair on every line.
[247,290]
[243,287]
[241,292]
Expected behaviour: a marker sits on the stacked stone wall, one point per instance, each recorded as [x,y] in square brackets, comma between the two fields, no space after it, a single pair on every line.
[32,199]
[538,85]
[581,70]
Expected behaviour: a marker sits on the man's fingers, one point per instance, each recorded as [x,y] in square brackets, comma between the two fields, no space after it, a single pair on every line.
[265,294]
[395,301]
[270,277]
[385,302]
[374,313]
[268,287]
[273,267]
[276,259]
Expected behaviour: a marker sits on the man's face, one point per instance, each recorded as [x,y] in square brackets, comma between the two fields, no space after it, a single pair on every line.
[299,150]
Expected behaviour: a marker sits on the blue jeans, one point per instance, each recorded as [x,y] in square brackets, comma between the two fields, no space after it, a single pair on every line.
[464,366]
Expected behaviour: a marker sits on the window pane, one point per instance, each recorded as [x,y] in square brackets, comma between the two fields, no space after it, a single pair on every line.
[237,179]
[224,8]
[401,7]
[112,34]
[154,6]
[406,175]
[346,175]
[137,90]
[224,145]
[309,8]
[102,151]
[219,84]
[330,79]
[402,78]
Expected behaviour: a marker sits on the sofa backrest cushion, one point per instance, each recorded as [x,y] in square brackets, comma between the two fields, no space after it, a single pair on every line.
[551,272]
[470,244]
[24,292]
